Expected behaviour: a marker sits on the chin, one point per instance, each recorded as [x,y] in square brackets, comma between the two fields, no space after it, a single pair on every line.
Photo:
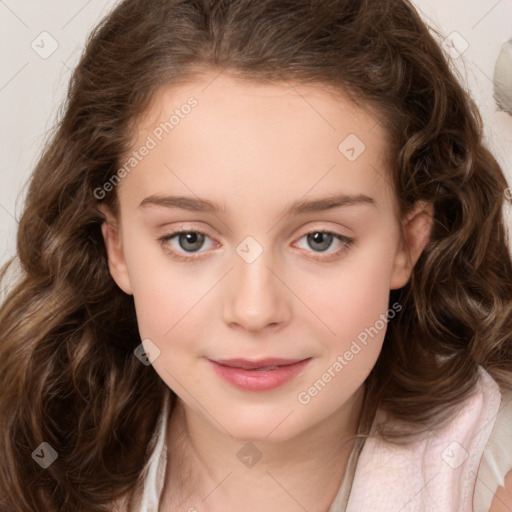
[260,428]
[261,436]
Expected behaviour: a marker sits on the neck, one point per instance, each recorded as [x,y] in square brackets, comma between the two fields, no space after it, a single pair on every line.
[207,471]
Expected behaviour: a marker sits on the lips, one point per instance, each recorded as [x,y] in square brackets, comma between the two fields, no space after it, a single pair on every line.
[260,364]
[259,375]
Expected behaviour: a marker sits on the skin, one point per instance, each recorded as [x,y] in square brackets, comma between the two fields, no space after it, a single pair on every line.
[255,148]
[502,501]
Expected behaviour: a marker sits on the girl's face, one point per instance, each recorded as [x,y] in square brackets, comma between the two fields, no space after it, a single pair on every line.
[259,176]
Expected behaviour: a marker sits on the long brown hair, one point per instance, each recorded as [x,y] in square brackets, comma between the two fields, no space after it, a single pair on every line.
[68,375]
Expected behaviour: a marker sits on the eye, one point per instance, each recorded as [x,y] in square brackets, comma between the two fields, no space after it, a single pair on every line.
[321,240]
[192,241]
[187,241]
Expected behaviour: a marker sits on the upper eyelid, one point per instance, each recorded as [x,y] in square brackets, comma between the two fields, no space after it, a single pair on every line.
[189,227]
[180,230]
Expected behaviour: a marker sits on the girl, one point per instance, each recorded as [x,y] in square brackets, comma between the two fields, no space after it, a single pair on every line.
[263,267]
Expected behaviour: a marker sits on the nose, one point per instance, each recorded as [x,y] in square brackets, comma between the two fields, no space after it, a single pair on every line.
[256,297]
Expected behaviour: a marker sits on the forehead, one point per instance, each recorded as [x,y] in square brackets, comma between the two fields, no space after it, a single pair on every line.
[218,134]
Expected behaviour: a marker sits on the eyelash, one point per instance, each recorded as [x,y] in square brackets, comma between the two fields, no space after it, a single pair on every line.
[346,241]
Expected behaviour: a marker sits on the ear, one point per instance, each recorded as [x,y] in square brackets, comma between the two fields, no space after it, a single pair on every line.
[116,262]
[417,227]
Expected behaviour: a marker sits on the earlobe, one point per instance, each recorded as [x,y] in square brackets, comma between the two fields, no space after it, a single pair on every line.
[417,228]
[116,260]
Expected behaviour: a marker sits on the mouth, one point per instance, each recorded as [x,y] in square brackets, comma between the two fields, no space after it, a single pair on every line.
[258,375]
[269,363]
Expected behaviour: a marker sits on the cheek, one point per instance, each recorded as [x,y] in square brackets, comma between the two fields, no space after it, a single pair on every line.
[355,317]
[352,296]
[163,300]
[163,289]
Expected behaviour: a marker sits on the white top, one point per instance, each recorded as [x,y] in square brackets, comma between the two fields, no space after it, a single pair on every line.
[488,426]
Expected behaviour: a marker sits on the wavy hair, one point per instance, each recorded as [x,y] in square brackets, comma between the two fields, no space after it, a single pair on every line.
[68,375]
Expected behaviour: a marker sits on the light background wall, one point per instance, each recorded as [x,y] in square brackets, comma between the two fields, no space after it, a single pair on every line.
[32,87]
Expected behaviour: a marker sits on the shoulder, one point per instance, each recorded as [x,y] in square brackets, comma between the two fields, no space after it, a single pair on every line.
[493,488]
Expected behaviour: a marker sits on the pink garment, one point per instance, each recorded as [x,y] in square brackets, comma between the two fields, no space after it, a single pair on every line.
[438,471]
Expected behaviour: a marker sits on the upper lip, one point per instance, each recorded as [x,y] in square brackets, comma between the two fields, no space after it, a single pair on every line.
[247,364]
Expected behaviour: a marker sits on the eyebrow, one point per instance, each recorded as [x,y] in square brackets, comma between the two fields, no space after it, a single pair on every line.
[295,208]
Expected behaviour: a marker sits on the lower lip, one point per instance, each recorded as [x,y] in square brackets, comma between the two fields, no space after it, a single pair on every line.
[259,380]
